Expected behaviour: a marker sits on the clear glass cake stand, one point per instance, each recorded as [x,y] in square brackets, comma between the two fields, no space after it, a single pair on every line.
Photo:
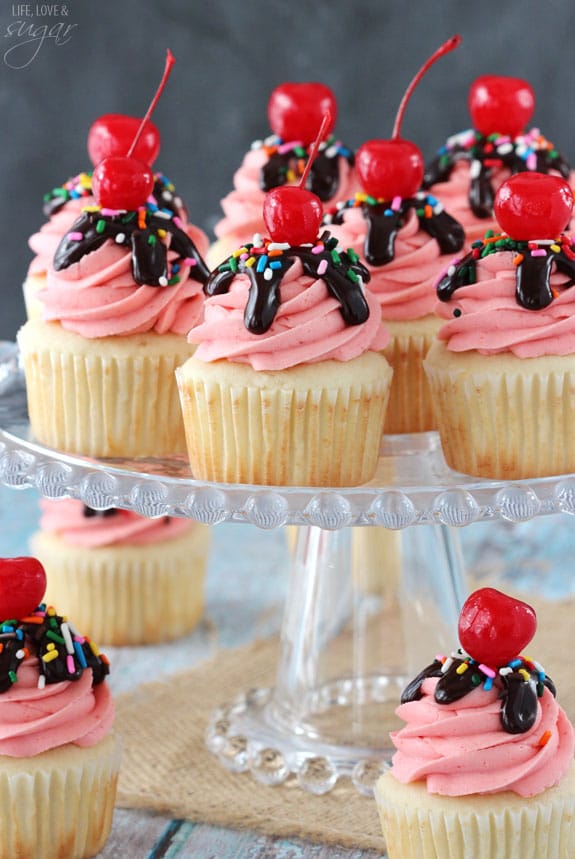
[372,598]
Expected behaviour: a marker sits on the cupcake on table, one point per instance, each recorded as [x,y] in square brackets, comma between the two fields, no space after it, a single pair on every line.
[468,169]
[502,371]
[109,135]
[124,288]
[287,385]
[484,764]
[117,572]
[295,112]
[406,238]
[59,756]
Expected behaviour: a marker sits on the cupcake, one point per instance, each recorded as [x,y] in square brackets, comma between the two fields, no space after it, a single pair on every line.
[110,134]
[295,111]
[124,288]
[406,238]
[116,572]
[502,371]
[59,757]
[469,168]
[287,385]
[484,764]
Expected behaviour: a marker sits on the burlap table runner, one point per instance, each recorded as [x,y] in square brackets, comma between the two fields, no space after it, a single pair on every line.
[166,766]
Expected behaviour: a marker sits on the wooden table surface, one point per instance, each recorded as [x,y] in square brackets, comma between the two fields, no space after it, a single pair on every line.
[247,580]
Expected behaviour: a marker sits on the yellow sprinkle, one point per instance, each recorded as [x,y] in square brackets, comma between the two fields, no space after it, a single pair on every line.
[524,674]
[162,233]
[239,252]
[290,176]
[250,262]
[361,197]
[556,248]
[94,649]
[85,180]
[462,668]
[51,646]
[90,208]
[48,657]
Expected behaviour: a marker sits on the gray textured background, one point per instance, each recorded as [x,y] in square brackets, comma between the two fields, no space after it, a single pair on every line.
[230,54]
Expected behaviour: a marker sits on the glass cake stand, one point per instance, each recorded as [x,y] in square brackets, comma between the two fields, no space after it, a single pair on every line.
[367,606]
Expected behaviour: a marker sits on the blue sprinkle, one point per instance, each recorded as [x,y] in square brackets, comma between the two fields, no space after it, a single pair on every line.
[152,207]
[7,628]
[343,150]
[175,268]
[20,634]
[443,150]
[275,264]
[431,200]
[515,663]
[74,195]
[261,264]
[488,683]
[388,212]
[80,654]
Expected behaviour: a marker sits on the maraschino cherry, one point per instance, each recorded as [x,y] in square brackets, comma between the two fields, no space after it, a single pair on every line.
[394,168]
[500,105]
[22,586]
[292,214]
[123,181]
[295,111]
[494,628]
[112,134]
[533,206]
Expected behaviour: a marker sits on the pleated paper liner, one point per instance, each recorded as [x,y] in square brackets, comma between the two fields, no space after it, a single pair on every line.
[504,417]
[105,397]
[417,824]
[128,595]
[59,803]
[410,407]
[317,424]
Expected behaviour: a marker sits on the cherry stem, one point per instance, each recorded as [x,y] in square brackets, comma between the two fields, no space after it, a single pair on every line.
[170,60]
[313,152]
[448,46]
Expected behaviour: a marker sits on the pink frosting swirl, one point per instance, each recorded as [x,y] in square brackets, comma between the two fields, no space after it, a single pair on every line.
[492,321]
[404,287]
[308,327]
[33,720]
[242,207]
[48,237]
[98,297]
[66,519]
[461,748]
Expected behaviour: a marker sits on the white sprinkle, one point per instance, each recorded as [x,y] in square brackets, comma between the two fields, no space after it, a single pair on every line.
[167,195]
[41,681]
[120,237]
[327,219]
[65,630]
[257,240]
[20,654]
[437,209]
[505,149]
[178,202]
[505,670]
[446,665]
[257,144]
[163,281]
[331,152]
[278,246]
[475,168]
[166,215]
[421,195]
[451,270]
[268,274]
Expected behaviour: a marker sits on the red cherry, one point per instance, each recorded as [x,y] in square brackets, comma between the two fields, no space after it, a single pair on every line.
[494,628]
[533,206]
[22,586]
[119,182]
[389,168]
[112,134]
[292,215]
[500,104]
[295,110]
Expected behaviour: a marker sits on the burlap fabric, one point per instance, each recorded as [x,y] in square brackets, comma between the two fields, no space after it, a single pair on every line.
[166,766]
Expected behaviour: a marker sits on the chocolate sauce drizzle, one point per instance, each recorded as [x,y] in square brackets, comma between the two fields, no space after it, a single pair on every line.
[385,218]
[521,683]
[286,160]
[25,637]
[342,272]
[141,231]
[534,262]
[530,151]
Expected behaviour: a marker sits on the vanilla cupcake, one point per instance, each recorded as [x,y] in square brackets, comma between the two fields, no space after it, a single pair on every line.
[59,756]
[484,764]
[470,167]
[502,372]
[295,111]
[116,572]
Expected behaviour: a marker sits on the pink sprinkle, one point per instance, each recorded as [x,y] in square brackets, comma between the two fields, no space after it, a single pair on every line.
[322,267]
[70,664]
[243,256]
[539,253]
[285,147]
[178,222]
[489,672]
[190,261]
[318,249]
[396,204]
[531,161]
[75,236]
[110,212]
[80,639]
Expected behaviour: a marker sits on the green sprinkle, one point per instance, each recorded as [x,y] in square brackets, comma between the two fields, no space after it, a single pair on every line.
[371,201]
[53,623]
[13,677]
[475,679]
[174,280]
[351,275]
[55,637]
[224,267]
[234,264]
[300,151]
[129,217]
[100,226]
[60,192]
[444,161]
[331,243]
[335,257]
[152,239]
[553,153]
[420,213]
[352,255]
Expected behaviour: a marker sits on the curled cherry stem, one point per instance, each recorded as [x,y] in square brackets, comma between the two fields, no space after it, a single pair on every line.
[170,60]
[448,46]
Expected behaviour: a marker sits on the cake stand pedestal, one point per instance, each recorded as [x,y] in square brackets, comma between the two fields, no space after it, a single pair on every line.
[367,606]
